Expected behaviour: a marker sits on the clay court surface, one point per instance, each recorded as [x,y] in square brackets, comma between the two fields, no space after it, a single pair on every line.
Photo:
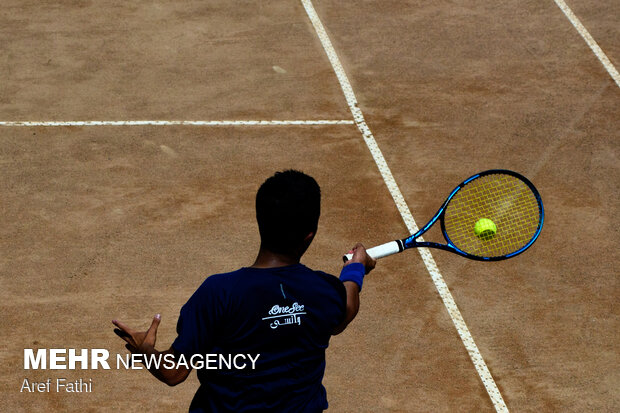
[103,222]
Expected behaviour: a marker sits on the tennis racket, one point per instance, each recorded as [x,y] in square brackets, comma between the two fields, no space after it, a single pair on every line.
[491,216]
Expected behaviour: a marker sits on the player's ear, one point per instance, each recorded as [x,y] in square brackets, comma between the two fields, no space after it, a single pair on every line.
[306,243]
[308,238]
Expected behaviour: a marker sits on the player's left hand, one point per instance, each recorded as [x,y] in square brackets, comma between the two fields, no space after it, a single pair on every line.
[141,342]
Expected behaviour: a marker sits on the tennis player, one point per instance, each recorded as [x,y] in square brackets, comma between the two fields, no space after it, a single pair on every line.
[277,312]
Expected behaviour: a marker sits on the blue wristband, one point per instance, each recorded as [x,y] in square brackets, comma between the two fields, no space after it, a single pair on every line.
[353,272]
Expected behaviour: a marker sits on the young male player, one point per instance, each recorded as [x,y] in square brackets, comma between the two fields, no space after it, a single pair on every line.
[277,309]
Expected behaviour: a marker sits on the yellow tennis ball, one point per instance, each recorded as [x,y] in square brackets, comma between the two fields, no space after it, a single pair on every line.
[485,229]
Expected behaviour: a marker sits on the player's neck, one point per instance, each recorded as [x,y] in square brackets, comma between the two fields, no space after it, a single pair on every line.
[270,259]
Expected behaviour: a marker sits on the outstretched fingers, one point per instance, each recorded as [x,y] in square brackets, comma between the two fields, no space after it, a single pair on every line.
[122,326]
[123,330]
[151,334]
[138,341]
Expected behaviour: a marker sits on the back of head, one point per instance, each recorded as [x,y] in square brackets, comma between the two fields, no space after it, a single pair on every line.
[288,206]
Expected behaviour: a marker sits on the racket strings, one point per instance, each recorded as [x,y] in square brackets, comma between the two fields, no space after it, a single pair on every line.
[502,198]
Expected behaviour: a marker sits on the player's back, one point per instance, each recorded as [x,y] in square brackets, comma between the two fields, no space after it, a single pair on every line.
[284,316]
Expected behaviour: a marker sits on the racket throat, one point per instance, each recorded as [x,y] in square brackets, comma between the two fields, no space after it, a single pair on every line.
[410,242]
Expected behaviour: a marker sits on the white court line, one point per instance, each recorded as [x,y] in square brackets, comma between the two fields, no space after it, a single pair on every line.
[440,284]
[180,122]
[613,72]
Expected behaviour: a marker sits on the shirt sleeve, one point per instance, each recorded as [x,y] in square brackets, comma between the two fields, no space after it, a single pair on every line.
[199,320]
[340,297]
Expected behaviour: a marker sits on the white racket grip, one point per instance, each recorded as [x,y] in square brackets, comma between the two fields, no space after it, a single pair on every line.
[380,251]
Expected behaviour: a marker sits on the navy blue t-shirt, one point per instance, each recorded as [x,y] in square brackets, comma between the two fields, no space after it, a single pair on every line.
[285,314]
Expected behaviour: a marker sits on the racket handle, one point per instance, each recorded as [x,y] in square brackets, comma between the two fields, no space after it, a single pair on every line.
[380,251]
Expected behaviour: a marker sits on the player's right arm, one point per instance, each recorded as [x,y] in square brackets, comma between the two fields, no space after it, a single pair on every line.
[352,278]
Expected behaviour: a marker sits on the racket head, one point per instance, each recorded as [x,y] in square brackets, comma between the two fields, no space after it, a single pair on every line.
[506,198]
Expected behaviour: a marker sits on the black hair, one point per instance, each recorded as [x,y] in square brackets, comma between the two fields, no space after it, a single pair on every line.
[288,206]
